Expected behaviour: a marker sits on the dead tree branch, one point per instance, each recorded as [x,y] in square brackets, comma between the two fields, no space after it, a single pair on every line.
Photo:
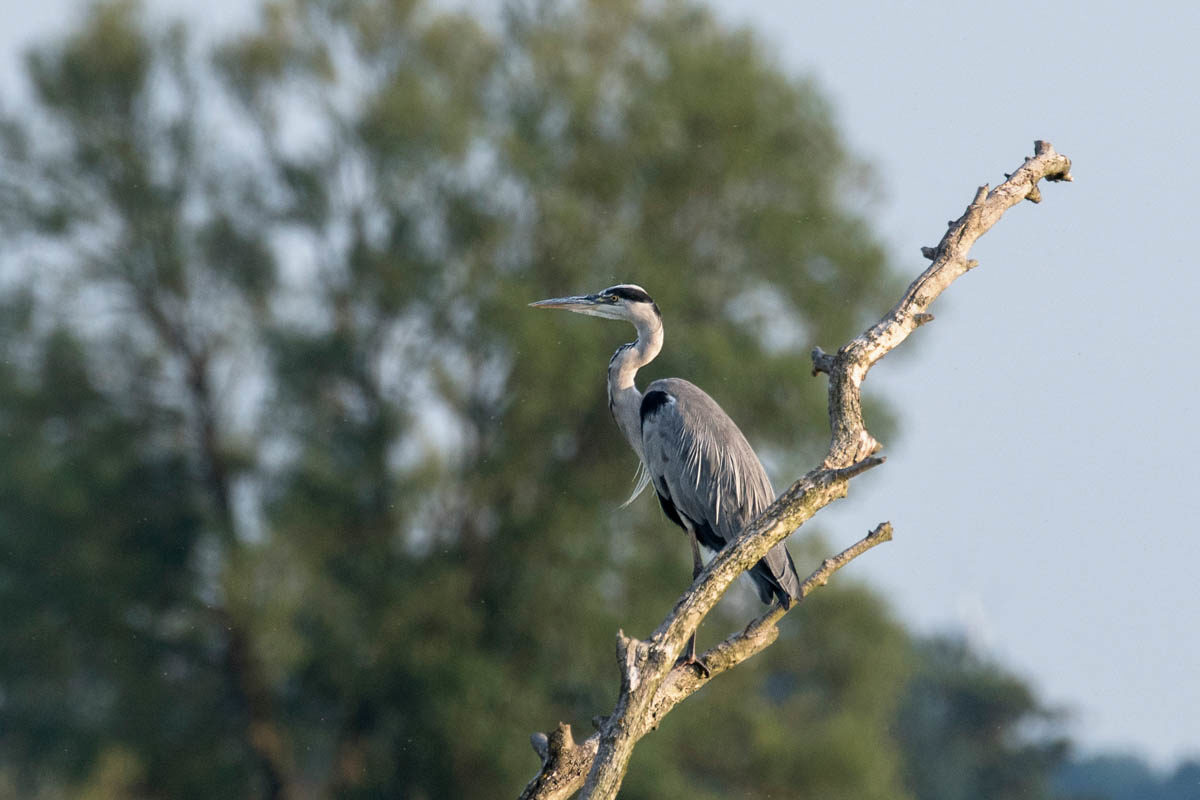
[565,764]
[651,682]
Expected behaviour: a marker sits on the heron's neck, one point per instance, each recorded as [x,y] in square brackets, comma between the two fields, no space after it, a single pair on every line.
[624,399]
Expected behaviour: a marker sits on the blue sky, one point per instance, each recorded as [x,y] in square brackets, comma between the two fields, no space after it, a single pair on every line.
[1041,488]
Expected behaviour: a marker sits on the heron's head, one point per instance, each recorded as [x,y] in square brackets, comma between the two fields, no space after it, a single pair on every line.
[625,301]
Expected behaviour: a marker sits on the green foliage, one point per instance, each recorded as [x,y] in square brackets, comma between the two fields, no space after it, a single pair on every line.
[300,499]
[103,638]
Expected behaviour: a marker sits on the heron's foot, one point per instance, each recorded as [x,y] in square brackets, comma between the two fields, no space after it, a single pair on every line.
[690,660]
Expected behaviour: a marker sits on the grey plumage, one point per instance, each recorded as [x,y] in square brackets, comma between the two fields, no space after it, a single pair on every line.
[706,475]
[705,472]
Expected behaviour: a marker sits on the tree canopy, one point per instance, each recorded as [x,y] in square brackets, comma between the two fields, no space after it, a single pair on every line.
[298,499]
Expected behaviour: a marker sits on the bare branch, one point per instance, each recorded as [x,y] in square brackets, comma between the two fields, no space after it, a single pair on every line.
[847,370]
[565,765]
[652,683]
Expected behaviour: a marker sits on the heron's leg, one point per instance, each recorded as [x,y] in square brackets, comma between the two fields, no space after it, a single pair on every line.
[697,567]
[697,562]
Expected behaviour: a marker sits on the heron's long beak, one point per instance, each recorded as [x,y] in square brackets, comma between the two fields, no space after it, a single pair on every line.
[594,305]
[582,303]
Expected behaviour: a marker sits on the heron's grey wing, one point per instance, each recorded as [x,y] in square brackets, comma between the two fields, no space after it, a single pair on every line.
[702,465]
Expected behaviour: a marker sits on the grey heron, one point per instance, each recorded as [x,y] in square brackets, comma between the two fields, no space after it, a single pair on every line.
[707,477]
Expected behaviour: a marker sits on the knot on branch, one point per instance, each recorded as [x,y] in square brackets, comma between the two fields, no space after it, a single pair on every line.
[1044,148]
[857,468]
[553,748]
[822,362]
[881,533]
[857,448]
[632,657]
[561,740]
[564,764]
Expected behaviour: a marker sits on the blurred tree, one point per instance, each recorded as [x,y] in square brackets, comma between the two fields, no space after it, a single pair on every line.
[299,500]
[1125,777]
[965,728]
[140,279]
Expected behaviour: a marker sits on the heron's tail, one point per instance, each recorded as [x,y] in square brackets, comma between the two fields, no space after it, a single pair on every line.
[775,576]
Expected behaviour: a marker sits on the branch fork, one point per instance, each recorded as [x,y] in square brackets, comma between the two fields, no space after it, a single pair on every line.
[651,682]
